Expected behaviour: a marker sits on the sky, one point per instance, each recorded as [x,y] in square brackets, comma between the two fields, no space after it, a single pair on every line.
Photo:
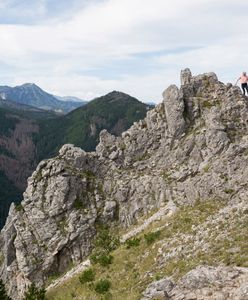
[87,48]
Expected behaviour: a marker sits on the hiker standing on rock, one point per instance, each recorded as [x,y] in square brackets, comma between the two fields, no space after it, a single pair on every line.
[243,80]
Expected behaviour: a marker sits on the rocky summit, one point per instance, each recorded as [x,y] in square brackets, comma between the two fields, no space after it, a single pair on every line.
[184,167]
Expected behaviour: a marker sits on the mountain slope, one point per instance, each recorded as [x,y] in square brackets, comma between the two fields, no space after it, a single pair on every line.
[115,112]
[71,99]
[31,94]
[190,152]
[9,193]
[17,155]
[29,134]
[26,110]
[140,261]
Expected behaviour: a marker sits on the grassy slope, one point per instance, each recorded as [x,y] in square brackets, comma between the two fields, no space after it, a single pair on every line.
[114,112]
[133,269]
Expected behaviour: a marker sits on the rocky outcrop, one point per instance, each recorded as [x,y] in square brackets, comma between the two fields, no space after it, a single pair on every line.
[174,109]
[192,147]
[205,283]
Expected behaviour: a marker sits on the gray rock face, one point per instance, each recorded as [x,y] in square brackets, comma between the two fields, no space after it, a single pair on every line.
[186,76]
[174,108]
[205,283]
[191,147]
[159,289]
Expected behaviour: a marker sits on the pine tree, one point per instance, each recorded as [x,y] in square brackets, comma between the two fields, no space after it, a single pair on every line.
[3,293]
[34,293]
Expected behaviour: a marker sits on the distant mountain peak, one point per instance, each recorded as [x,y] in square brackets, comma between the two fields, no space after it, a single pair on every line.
[114,93]
[31,94]
[29,85]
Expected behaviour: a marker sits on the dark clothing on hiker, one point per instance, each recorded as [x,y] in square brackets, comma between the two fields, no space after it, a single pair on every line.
[244,88]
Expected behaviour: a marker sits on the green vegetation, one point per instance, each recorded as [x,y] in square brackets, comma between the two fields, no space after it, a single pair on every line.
[105,240]
[75,127]
[104,244]
[9,118]
[8,194]
[102,286]
[128,271]
[87,276]
[6,152]
[135,242]
[101,258]
[19,207]
[3,293]
[55,131]
[151,237]
[207,104]
[8,122]
[78,204]
[34,293]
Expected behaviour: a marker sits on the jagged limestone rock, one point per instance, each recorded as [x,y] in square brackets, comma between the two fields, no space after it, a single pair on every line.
[192,147]
[204,282]
[159,289]
[174,108]
[186,76]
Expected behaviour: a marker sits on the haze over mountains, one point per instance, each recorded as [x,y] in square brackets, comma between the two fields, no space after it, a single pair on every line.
[33,95]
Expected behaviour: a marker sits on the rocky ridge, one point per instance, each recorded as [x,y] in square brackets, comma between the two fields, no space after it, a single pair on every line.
[191,148]
[205,283]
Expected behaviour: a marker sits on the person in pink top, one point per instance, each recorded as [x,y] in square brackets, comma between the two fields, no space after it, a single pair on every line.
[243,80]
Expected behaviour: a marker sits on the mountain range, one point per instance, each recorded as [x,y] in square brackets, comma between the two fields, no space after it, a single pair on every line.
[32,95]
[29,134]
[115,112]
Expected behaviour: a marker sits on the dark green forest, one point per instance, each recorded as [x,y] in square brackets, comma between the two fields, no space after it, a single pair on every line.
[115,112]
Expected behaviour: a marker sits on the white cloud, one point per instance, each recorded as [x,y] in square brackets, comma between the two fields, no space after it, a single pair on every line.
[59,53]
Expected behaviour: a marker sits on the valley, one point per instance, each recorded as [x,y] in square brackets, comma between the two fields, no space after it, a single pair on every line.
[28,135]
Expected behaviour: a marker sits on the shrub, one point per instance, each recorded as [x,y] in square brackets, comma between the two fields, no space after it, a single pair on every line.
[135,242]
[104,244]
[34,293]
[105,260]
[102,286]
[87,276]
[151,237]
[102,258]
[19,207]
[105,241]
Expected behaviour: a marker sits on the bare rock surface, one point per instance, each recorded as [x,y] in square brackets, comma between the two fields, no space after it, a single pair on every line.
[203,283]
[192,147]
